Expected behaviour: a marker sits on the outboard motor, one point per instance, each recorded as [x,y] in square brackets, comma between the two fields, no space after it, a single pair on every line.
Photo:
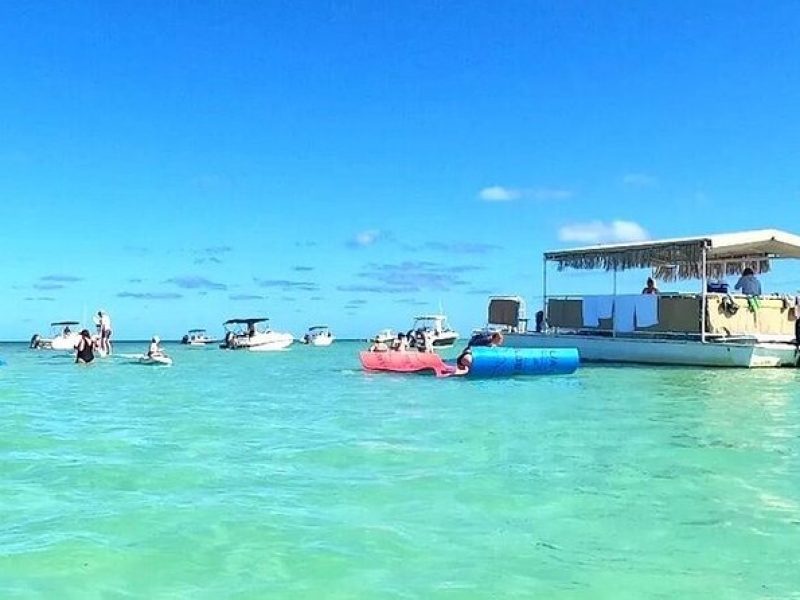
[185,339]
[35,341]
[229,340]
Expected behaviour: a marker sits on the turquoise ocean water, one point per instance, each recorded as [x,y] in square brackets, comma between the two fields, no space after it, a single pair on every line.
[296,475]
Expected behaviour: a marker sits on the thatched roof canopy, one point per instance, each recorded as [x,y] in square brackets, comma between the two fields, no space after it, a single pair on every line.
[681,258]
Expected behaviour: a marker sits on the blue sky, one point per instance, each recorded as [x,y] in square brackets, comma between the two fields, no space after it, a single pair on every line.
[356,163]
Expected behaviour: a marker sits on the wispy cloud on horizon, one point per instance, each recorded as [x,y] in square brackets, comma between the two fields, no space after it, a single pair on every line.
[48,286]
[499,193]
[195,282]
[595,232]
[409,277]
[150,295]
[212,255]
[287,284]
[240,297]
[61,278]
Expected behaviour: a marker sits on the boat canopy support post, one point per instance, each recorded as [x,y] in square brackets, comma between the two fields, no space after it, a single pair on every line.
[704,294]
[614,310]
[544,291]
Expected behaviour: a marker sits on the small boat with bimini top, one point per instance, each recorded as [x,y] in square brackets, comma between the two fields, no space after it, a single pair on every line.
[254,334]
[64,336]
[710,327]
[197,337]
[318,335]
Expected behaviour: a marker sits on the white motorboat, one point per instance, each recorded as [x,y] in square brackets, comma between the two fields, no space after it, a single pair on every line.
[197,337]
[64,336]
[255,335]
[318,335]
[384,336]
[435,328]
[705,328]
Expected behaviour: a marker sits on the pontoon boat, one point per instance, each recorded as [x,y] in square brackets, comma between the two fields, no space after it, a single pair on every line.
[667,328]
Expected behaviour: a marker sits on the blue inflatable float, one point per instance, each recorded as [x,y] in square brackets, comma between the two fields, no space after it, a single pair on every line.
[507,362]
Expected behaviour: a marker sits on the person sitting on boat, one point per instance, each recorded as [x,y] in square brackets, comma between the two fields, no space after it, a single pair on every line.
[425,341]
[400,344]
[378,345]
[155,349]
[748,283]
[464,360]
[66,331]
[84,348]
[650,288]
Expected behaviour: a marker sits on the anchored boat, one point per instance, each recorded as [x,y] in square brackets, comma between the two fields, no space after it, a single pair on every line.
[705,328]
[255,335]
[197,337]
[64,336]
[318,335]
[435,328]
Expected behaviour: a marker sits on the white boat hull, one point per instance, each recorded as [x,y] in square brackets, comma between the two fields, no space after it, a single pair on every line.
[272,345]
[64,344]
[664,351]
[321,341]
[265,342]
[163,360]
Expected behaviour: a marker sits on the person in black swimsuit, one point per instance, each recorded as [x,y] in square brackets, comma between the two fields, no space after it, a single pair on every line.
[85,348]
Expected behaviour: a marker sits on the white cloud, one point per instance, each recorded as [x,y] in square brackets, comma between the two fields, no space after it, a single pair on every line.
[366,238]
[498,193]
[639,180]
[595,232]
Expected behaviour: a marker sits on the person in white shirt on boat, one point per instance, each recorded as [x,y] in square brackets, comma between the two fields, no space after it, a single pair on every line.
[155,348]
[748,283]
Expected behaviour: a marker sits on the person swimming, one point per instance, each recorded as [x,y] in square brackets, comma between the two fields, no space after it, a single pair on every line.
[84,348]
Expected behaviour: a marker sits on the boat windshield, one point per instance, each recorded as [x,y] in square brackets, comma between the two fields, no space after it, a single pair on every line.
[433,323]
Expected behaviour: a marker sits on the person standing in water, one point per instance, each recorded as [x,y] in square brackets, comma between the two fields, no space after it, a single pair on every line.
[84,348]
[103,321]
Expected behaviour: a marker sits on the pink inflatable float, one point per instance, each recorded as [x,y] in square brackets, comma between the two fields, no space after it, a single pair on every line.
[405,362]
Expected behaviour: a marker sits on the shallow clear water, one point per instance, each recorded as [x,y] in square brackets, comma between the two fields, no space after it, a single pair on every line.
[296,475]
